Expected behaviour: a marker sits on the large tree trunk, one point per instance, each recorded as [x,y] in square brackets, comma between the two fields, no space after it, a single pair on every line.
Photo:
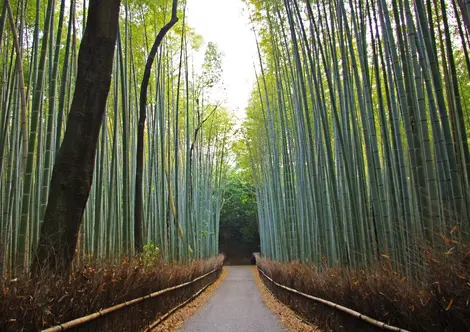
[73,170]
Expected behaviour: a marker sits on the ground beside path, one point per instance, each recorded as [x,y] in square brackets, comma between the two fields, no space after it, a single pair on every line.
[237,305]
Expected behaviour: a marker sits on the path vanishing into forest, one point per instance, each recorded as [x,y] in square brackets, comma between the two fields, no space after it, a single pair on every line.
[237,305]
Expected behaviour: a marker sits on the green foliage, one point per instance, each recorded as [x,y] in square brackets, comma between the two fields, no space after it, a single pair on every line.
[212,66]
[151,254]
[238,215]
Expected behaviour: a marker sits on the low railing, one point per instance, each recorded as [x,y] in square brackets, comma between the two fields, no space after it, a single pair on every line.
[348,311]
[102,313]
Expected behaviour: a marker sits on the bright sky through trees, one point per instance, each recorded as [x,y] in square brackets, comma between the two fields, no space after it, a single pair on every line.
[226,23]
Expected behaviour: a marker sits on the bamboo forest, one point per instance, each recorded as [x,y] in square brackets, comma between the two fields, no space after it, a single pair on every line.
[151,147]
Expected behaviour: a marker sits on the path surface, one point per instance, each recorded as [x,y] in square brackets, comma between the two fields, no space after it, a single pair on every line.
[237,305]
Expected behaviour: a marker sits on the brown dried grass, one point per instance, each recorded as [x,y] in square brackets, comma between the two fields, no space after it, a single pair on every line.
[439,301]
[27,305]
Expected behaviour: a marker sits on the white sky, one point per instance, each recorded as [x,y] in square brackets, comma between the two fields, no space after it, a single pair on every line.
[226,23]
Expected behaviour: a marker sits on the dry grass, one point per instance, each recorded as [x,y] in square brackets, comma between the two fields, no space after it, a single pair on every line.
[177,319]
[27,305]
[291,321]
[440,301]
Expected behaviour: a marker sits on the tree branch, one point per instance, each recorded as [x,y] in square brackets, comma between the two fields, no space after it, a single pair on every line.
[138,211]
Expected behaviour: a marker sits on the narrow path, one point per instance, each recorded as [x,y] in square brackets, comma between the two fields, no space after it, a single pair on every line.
[237,305]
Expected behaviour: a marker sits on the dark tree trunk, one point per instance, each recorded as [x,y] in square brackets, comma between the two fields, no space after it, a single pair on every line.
[73,170]
[138,205]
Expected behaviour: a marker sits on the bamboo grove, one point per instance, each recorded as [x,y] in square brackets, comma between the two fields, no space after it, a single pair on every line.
[186,135]
[358,129]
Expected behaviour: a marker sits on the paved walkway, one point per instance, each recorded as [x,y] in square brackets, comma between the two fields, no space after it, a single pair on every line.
[236,306]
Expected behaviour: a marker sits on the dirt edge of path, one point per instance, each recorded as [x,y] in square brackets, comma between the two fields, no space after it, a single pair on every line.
[289,319]
[179,317]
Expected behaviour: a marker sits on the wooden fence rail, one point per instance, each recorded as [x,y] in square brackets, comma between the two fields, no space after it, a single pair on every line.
[351,312]
[82,320]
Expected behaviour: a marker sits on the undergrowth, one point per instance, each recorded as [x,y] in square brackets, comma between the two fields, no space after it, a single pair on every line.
[27,305]
[438,301]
